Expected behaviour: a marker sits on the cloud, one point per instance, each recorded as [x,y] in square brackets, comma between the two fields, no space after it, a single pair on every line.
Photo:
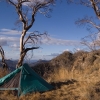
[3,42]
[9,32]
[9,41]
[54,54]
[13,39]
[15,46]
[32,2]
[51,41]
[65,50]
[8,37]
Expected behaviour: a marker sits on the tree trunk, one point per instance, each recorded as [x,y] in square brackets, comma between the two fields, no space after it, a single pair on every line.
[21,59]
[21,41]
[4,64]
[22,51]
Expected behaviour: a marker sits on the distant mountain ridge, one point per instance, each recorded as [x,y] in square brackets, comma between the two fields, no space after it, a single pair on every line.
[12,63]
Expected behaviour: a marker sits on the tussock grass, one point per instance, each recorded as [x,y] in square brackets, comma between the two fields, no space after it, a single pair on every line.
[3,72]
[69,85]
[75,84]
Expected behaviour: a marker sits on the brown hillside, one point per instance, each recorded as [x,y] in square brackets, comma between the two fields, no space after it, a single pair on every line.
[80,80]
[78,60]
[65,59]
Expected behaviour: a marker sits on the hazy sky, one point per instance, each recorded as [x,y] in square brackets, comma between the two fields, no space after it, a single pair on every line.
[63,33]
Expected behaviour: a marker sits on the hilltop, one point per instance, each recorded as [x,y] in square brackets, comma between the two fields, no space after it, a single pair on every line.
[79,60]
[75,76]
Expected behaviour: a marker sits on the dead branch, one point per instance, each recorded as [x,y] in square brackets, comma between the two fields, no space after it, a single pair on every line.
[91,41]
[88,21]
[94,4]
[4,64]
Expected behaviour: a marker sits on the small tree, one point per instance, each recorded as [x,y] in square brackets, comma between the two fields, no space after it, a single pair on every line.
[4,64]
[23,8]
[91,41]
[95,5]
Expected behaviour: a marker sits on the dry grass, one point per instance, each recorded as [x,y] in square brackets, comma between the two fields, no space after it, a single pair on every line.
[69,85]
[74,84]
[3,72]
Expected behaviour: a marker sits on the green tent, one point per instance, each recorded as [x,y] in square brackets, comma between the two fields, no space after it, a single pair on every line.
[24,80]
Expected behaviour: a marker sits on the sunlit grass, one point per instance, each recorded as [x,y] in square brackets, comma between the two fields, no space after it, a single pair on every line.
[81,89]
[3,72]
[81,82]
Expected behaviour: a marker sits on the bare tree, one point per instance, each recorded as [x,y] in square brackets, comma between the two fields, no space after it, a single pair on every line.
[95,5]
[24,8]
[91,41]
[89,22]
[4,64]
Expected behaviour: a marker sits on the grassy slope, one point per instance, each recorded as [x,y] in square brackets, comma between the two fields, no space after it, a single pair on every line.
[82,82]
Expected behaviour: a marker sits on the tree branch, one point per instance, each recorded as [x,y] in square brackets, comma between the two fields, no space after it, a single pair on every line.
[87,20]
[91,41]
[35,9]
[34,36]
[19,11]
[27,49]
[11,2]
[95,7]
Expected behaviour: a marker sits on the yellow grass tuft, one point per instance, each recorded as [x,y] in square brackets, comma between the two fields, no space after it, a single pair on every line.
[69,85]
[3,72]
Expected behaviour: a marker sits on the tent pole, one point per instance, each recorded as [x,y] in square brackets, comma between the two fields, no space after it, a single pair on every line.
[19,89]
